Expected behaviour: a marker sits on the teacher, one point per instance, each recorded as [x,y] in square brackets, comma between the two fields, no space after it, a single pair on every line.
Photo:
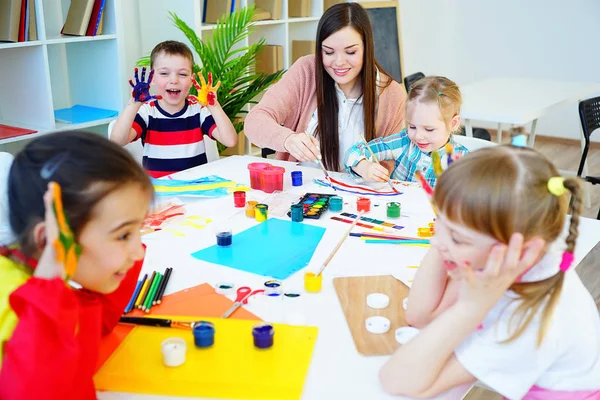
[325,102]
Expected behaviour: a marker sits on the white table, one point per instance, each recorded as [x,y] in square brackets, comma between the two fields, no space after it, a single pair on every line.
[518,101]
[337,370]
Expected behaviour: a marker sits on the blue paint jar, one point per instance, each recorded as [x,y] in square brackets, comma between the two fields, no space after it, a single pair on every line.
[204,334]
[336,203]
[224,239]
[297,212]
[263,336]
[296,178]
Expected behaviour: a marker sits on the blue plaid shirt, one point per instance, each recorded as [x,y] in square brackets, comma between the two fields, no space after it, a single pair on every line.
[407,156]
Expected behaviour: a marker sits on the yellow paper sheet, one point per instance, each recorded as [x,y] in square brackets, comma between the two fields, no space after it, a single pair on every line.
[231,368]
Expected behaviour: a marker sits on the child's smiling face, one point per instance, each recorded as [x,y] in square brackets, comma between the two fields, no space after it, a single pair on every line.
[172,79]
[426,126]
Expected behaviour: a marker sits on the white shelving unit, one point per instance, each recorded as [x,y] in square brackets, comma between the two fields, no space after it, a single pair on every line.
[59,71]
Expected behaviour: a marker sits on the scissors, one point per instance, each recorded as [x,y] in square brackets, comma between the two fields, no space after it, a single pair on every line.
[243,293]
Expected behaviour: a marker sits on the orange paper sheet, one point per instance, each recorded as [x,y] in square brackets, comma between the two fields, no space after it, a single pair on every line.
[201,300]
[232,368]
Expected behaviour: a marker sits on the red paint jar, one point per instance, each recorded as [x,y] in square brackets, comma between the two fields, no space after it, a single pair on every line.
[239,198]
[363,204]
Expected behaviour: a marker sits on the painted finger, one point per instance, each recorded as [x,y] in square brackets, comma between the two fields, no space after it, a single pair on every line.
[202,81]
[136,76]
[131,83]
[210,98]
[150,77]
[217,86]
[210,79]
[143,74]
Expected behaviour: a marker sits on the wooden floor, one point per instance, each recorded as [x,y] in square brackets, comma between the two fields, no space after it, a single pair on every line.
[566,156]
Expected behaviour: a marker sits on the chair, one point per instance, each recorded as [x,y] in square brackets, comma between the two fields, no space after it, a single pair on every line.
[137,150]
[472,143]
[589,113]
[409,80]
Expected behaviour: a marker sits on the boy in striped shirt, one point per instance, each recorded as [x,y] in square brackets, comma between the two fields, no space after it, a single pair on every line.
[171,124]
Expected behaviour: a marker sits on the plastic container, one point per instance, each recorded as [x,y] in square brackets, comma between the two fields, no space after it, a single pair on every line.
[204,334]
[313,284]
[255,174]
[393,209]
[261,212]
[336,203]
[263,336]
[297,211]
[296,178]
[271,179]
[363,204]
[239,198]
[250,208]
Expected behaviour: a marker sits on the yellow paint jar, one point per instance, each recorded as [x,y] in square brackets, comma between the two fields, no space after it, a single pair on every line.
[250,208]
[261,212]
[312,283]
[424,232]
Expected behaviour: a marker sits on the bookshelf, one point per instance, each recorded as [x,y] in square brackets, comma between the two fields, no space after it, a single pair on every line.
[56,71]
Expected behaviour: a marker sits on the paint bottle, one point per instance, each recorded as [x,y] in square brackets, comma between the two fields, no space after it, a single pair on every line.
[173,351]
[224,235]
[313,284]
[296,178]
[363,204]
[273,288]
[297,211]
[336,203]
[393,209]
[239,198]
[204,334]
[261,212]
[263,335]
[250,208]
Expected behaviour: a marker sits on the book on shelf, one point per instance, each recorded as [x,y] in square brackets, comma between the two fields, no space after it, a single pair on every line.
[32,29]
[22,18]
[78,17]
[269,60]
[302,48]
[96,18]
[273,7]
[213,10]
[299,8]
[79,114]
[10,18]
[7,131]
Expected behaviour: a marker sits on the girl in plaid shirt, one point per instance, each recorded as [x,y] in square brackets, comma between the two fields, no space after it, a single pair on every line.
[432,115]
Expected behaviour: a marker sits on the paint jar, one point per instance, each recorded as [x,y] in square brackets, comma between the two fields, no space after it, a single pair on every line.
[312,283]
[271,179]
[261,212]
[173,351]
[424,232]
[363,204]
[336,203]
[224,288]
[239,198]
[297,211]
[255,173]
[204,334]
[393,209]
[224,236]
[273,288]
[296,178]
[250,208]
[263,335]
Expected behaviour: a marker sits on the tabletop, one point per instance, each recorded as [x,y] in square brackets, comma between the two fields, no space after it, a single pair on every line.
[337,370]
[520,100]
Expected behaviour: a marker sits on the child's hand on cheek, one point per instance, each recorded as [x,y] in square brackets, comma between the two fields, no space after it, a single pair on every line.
[481,290]
[48,266]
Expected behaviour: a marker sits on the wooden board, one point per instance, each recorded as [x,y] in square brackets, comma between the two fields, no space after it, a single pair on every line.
[352,293]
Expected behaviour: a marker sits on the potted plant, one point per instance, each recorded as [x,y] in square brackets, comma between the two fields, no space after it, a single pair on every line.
[233,66]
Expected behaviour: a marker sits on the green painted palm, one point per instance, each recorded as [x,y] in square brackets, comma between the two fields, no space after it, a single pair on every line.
[229,62]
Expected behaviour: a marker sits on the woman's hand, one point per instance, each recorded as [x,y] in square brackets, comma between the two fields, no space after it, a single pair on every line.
[373,172]
[303,147]
[481,290]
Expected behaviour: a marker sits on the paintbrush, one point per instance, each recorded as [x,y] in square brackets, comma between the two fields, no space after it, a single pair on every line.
[337,247]
[158,322]
[427,187]
[323,167]
[377,161]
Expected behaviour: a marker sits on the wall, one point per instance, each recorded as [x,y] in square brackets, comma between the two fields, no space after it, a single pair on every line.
[469,40]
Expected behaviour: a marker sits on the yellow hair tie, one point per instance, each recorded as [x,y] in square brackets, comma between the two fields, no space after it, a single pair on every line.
[556,186]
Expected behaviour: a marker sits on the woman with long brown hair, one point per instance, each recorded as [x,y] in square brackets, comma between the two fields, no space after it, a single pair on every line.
[323,103]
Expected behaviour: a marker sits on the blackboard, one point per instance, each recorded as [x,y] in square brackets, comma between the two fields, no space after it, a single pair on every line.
[385,35]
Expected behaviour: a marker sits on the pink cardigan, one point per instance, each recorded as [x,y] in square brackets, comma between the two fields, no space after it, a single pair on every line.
[288,106]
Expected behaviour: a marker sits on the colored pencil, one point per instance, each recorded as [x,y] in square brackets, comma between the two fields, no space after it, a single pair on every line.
[160,286]
[385,241]
[349,221]
[161,278]
[164,286]
[151,293]
[382,236]
[134,296]
[145,294]
[377,161]
[140,297]
[336,248]
[427,187]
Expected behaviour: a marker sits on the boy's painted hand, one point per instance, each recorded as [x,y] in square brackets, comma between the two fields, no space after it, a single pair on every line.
[141,89]
[207,93]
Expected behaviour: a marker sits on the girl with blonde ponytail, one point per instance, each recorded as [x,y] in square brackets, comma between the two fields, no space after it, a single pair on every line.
[496,294]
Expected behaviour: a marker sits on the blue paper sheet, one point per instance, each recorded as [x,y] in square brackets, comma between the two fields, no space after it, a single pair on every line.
[79,114]
[274,248]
